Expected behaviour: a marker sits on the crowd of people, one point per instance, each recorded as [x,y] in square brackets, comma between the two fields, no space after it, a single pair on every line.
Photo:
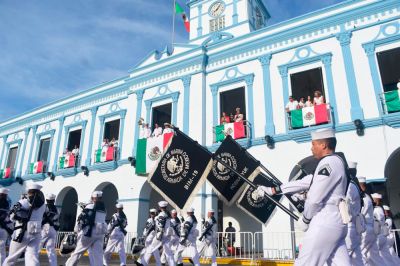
[238,117]
[107,143]
[293,104]
[145,130]
[75,151]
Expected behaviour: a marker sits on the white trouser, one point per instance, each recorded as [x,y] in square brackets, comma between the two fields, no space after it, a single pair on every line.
[209,250]
[191,252]
[174,243]
[353,242]
[369,248]
[3,240]
[145,257]
[115,244]
[383,249]
[30,245]
[49,235]
[324,241]
[94,245]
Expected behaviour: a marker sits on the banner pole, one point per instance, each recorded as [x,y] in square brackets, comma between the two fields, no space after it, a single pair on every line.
[280,205]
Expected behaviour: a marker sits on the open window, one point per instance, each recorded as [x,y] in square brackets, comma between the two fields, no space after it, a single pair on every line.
[74,139]
[44,150]
[389,67]
[305,83]
[12,157]
[111,130]
[161,114]
[232,99]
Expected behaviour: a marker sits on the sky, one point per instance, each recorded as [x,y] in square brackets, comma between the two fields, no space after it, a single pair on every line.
[51,49]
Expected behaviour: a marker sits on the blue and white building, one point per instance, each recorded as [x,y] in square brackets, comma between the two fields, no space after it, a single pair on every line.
[234,58]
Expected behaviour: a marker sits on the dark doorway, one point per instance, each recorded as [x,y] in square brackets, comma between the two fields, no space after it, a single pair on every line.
[110,198]
[111,130]
[305,83]
[44,150]
[161,114]
[389,67]
[12,157]
[74,139]
[230,100]
[67,203]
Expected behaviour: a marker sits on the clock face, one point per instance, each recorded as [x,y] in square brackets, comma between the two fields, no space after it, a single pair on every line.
[217,9]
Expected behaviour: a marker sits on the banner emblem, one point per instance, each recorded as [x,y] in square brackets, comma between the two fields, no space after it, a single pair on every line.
[221,172]
[175,166]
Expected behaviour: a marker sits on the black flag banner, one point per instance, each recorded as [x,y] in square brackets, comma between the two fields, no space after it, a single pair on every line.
[226,184]
[181,171]
[263,208]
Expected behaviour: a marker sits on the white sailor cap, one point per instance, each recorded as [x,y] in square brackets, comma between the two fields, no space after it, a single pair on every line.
[376,196]
[119,206]
[33,186]
[162,204]
[386,208]
[153,211]
[324,133]
[190,210]
[173,211]
[211,210]
[50,196]
[352,165]
[97,194]
[4,190]
[362,179]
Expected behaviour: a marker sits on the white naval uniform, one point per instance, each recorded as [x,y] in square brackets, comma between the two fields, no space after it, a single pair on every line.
[353,238]
[49,233]
[31,241]
[391,238]
[210,240]
[175,224]
[369,247]
[189,246]
[147,251]
[326,188]
[116,239]
[5,218]
[94,243]
[379,216]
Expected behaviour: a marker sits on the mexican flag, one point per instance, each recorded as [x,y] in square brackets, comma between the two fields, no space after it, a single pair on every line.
[5,173]
[149,151]
[67,161]
[104,155]
[309,116]
[392,100]
[179,10]
[236,130]
[35,168]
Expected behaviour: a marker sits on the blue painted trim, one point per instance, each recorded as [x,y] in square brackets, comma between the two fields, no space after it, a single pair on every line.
[67,130]
[134,199]
[19,171]
[327,61]
[2,155]
[283,71]
[18,142]
[104,167]
[61,121]
[268,102]
[356,111]
[38,136]
[199,21]
[174,96]
[139,102]
[34,129]
[93,112]
[235,14]
[186,103]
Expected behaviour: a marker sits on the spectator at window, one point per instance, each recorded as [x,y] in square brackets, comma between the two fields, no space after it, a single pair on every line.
[225,118]
[66,152]
[157,131]
[167,128]
[301,103]
[238,116]
[75,151]
[291,105]
[105,143]
[318,98]
[230,234]
[147,131]
[309,102]
[114,142]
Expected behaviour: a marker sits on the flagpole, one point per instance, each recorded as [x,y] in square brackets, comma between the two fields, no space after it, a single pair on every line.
[173,26]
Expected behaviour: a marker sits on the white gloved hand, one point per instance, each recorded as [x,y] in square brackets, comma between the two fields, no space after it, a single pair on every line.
[303,224]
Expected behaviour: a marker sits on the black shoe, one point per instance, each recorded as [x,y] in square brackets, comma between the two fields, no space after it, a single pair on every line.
[138,263]
[191,261]
[162,264]
[179,264]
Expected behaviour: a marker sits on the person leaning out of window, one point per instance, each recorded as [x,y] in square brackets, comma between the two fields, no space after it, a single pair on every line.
[318,98]
[225,118]
[238,115]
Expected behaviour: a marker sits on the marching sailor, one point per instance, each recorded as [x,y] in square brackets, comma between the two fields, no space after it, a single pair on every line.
[6,226]
[116,231]
[369,247]
[50,226]
[209,237]
[175,224]
[149,234]
[27,215]
[379,226]
[391,238]
[325,209]
[188,237]
[163,232]
[91,227]
[356,226]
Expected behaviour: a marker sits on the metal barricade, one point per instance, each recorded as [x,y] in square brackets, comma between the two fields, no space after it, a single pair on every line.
[396,245]
[276,245]
[237,245]
[60,237]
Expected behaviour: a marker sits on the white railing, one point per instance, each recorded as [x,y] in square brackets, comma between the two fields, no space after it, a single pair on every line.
[396,245]
[277,245]
[237,245]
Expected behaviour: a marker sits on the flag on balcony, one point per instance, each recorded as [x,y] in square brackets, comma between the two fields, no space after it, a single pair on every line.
[309,116]
[104,155]
[181,171]
[149,151]
[226,184]
[392,100]
[236,130]
[35,168]
[67,161]
[7,173]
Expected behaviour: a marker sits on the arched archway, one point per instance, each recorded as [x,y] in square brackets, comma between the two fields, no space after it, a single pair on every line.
[392,173]
[148,199]
[110,197]
[67,201]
